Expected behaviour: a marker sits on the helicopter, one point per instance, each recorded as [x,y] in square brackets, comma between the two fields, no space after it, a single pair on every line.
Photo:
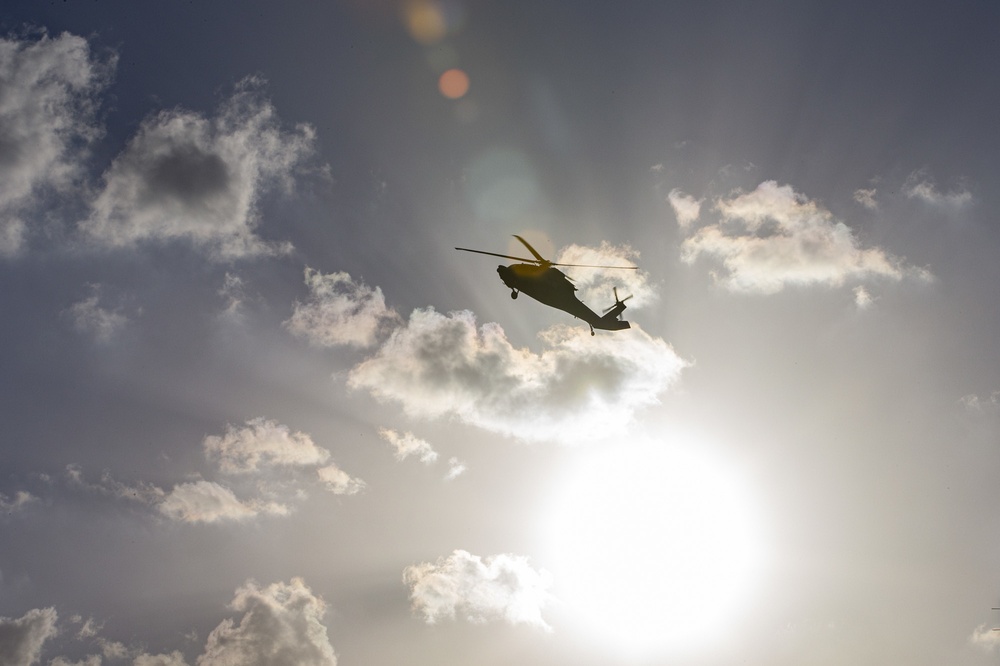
[540,279]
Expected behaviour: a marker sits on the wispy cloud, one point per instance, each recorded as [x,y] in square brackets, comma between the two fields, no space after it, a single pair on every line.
[988,404]
[921,187]
[21,499]
[985,638]
[185,176]
[774,237]
[340,311]
[90,318]
[339,482]
[456,468]
[407,445]
[210,502]
[579,388]
[502,587]
[866,198]
[50,86]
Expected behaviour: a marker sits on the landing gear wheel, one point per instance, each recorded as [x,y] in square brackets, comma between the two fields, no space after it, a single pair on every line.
[592,330]
[513,294]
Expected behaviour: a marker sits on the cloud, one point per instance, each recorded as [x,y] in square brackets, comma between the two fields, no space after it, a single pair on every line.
[595,285]
[408,445]
[974,403]
[919,186]
[92,660]
[233,292]
[21,499]
[21,639]
[862,298]
[281,624]
[686,208]
[340,311]
[50,86]
[185,176]
[455,469]
[580,387]
[262,442]
[91,319]
[210,502]
[866,198]
[339,482]
[173,659]
[987,639]
[774,237]
[502,587]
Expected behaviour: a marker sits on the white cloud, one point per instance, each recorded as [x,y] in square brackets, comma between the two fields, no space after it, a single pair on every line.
[502,587]
[774,237]
[281,624]
[262,442]
[866,198]
[185,176]
[233,292]
[862,298]
[595,285]
[409,445]
[21,639]
[92,660]
[173,659]
[13,504]
[580,387]
[974,403]
[455,469]
[985,638]
[46,119]
[98,322]
[210,502]
[340,311]
[339,482]
[686,208]
[919,186]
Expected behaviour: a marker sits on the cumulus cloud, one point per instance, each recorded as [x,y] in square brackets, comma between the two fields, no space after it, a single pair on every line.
[920,186]
[985,638]
[90,318]
[579,387]
[686,208]
[262,442]
[774,237]
[502,587]
[595,285]
[866,198]
[407,445]
[21,639]
[339,482]
[281,624]
[185,176]
[340,311]
[48,91]
[210,502]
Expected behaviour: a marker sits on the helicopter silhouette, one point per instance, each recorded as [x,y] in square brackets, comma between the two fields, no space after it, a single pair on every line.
[540,279]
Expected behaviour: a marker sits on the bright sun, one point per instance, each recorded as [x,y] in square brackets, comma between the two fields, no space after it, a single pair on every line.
[652,545]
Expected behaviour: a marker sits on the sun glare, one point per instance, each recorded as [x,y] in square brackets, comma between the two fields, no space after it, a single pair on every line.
[653,546]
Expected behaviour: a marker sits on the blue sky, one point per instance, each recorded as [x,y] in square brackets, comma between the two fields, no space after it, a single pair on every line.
[257,410]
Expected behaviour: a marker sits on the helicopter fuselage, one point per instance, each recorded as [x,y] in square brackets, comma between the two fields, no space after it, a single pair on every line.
[550,286]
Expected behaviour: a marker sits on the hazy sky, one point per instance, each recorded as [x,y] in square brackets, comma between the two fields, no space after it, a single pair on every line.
[256,410]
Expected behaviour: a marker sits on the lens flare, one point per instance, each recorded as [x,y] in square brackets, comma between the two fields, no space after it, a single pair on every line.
[453,84]
[430,21]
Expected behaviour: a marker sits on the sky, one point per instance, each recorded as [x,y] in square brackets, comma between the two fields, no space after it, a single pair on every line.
[256,410]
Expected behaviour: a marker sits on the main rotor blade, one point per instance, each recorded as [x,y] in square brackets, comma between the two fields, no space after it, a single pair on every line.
[625,268]
[494,254]
[532,250]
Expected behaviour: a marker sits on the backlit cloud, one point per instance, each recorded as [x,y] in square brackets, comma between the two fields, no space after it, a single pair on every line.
[339,482]
[21,639]
[580,387]
[502,587]
[262,442]
[596,285]
[686,208]
[185,176]
[210,502]
[985,638]
[281,624]
[49,88]
[921,187]
[407,445]
[340,311]
[775,237]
